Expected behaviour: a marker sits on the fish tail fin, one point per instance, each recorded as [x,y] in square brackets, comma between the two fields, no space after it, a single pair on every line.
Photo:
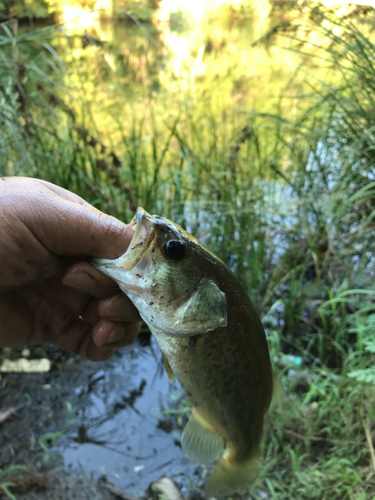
[229,476]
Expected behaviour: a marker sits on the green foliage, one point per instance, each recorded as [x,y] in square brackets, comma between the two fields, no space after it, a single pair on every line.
[24,8]
[317,444]
[366,375]
[6,485]
[50,438]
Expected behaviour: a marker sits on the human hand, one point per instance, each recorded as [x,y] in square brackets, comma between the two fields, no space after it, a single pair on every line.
[48,293]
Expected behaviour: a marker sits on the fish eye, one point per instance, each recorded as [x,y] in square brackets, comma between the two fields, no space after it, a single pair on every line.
[174,249]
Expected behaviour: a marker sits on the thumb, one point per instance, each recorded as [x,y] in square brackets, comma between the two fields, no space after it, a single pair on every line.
[78,230]
[67,227]
[61,221]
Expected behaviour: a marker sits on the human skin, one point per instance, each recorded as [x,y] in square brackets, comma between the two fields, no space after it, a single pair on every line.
[48,292]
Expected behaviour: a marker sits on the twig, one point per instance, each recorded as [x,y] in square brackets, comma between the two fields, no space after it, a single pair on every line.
[300,436]
[115,491]
[5,414]
[313,438]
[366,427]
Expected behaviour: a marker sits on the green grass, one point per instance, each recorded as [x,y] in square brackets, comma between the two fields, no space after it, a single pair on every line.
[6,486]
[50,438]
[288,203]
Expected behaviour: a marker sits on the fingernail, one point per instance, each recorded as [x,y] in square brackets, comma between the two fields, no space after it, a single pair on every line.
[118,333]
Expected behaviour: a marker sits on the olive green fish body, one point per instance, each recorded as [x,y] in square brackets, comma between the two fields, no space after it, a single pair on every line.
[211,339]
[226,374]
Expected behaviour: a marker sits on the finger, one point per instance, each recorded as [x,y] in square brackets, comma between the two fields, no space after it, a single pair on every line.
[72,229]
[64,193]
[85,278]
[77,339]
[15,321]
[107,334]
[62,222]
[91,314]
[17,328]
[31,183]
[119,308]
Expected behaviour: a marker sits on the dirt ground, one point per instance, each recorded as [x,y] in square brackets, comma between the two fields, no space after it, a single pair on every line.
[56,484]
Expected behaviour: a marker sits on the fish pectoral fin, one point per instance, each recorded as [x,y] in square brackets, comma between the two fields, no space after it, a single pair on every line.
[205,311]
[168,368]
[198,442]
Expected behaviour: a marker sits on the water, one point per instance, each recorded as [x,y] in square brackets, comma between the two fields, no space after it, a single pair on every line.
[116,416]
[125,73]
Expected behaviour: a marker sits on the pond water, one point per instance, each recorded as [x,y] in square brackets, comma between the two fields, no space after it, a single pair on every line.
[123,72]
[119,429]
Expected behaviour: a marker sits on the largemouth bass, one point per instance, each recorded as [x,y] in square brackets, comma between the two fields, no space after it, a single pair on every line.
[211,339]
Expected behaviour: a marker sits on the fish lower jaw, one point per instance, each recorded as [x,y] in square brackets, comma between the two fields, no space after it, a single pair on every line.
[134,289]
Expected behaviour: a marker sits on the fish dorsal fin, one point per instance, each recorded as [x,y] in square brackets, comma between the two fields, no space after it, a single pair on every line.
[168,368]
[198,442]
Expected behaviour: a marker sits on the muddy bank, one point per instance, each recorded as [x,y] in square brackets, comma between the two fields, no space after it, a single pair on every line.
[57,484]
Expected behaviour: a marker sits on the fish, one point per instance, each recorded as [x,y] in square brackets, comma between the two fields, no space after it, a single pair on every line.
[211,339]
